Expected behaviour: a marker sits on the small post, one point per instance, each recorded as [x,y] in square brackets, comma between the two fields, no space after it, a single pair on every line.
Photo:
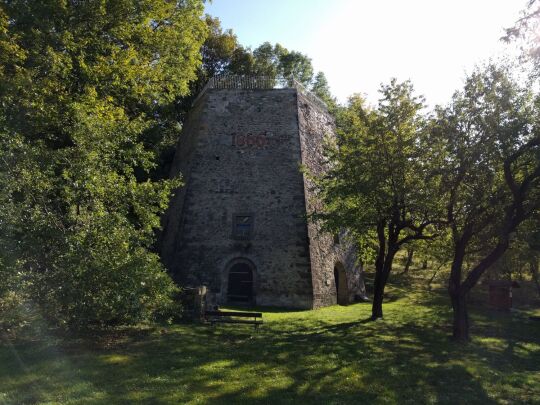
[200,299]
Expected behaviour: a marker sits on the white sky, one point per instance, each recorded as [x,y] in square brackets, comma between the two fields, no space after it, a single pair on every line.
[359,44]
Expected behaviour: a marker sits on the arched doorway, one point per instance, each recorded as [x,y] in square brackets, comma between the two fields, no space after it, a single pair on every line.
[240,283]
[342,290]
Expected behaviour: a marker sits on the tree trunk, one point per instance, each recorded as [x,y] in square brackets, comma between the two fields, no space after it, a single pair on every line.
[378,288]
[381,278]
[460,327]
[434,275]
[378,294]
[461,317]
[410,253]
[459,290]
[534,273]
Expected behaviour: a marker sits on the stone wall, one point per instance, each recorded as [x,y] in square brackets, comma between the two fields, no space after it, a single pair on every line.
[315,126]
[240,153]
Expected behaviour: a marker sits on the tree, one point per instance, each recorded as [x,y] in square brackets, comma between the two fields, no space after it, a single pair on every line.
[534,258]
[218,49]
[522,258]
[222,54]
[242,62]
[409,259]
[531,237]
[379,185]
[84,84]
[321,89]
[295,66]
[525,32]
[490,156]
[276,61]
[266,57]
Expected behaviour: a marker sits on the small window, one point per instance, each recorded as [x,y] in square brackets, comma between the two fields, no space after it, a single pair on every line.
[242,226]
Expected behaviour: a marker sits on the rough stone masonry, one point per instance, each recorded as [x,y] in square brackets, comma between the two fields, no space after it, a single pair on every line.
[239,224]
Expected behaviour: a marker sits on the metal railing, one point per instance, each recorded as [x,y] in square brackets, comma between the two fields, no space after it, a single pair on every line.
[257,83]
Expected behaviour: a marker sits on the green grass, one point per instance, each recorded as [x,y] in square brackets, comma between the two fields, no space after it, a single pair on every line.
[327,356]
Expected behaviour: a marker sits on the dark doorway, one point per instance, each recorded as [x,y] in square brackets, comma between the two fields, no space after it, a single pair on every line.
[240,284]
[342,291]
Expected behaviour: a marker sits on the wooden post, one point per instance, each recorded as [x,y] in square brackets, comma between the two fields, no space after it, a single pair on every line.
[200,299]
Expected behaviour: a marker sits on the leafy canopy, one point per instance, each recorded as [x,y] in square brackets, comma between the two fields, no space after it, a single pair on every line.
[379,166]
[83,84]
[380,185]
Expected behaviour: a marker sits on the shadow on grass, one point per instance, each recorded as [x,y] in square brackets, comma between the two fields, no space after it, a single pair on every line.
[335,355]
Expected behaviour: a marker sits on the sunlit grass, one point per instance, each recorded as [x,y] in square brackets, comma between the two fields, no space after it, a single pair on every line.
[327,356]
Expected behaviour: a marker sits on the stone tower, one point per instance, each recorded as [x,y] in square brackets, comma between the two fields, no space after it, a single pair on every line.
[239,223]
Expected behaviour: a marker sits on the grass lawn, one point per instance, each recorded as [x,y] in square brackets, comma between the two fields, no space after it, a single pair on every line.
[327,356]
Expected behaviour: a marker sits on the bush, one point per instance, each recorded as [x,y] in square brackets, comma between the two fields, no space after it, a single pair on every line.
[112,285]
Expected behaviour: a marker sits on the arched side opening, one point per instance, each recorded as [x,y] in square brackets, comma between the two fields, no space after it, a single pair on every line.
[342,289]
[241,283]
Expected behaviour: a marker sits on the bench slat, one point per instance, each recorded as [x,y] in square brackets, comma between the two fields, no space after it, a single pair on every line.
[238,314]
[224,320]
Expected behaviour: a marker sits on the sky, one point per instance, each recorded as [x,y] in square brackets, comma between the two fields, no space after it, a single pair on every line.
[360,44]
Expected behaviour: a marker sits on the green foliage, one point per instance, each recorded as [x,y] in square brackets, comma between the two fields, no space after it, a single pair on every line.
[294,65]
[86,89]
[218,49]
[525,33]
[321,89]
[489,154]
[488,147]
[278,62]
[15,314]
[522,259]
[223,54]
[380,185]
[379,170]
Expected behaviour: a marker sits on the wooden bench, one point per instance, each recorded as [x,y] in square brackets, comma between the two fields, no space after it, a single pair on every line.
[233,317]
